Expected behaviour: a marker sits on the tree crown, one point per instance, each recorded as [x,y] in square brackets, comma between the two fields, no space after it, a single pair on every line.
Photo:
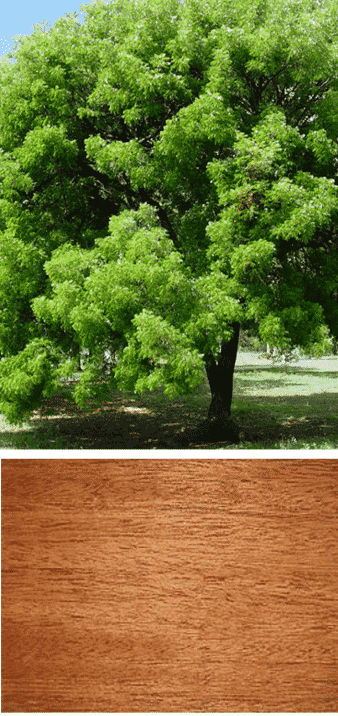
[166,169]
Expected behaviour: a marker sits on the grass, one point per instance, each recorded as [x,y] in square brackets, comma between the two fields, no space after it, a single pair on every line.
[278,408]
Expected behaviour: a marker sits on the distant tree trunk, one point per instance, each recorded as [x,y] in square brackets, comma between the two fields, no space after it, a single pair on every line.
[75,353]
[87,355]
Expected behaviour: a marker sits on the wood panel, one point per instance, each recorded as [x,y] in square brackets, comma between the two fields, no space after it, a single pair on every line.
[134,585]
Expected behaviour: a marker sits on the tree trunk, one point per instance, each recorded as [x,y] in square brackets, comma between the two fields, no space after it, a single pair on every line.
[220,377]
[218,426]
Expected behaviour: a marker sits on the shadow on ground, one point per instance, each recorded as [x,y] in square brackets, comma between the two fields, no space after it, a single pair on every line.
[146,422]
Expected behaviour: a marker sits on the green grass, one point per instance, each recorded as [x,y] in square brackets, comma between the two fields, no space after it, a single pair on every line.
[289,408]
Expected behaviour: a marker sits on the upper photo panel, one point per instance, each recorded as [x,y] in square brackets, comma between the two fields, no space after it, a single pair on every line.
[168,228]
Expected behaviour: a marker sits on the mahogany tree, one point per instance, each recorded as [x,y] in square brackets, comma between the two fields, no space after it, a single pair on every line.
[168,173]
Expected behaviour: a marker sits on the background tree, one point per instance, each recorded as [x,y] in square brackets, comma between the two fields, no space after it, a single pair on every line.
[178,163]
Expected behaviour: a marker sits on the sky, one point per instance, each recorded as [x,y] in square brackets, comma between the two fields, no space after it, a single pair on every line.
[19,16]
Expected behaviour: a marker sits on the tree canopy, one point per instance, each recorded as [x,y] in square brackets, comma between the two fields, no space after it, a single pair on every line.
[168,171]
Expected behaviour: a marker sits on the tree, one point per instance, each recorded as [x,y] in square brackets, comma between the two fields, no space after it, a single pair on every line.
[179,167]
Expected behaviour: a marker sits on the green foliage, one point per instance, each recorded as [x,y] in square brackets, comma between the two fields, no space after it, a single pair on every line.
[166,169]
[25,379]
[261,199]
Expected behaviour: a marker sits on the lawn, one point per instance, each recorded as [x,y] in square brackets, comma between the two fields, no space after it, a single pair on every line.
[282,407]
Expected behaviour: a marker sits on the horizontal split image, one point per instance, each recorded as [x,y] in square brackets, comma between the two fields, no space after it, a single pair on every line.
[169,585]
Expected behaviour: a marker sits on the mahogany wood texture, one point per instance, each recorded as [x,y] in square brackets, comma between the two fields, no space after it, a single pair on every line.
[169,585]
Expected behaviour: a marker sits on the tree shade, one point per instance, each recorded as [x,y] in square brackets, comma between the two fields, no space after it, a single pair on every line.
[168,172]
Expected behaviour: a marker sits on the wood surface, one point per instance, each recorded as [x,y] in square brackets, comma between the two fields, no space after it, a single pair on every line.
[169,585]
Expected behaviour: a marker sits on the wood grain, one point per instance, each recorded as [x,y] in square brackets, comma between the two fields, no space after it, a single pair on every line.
[184,585]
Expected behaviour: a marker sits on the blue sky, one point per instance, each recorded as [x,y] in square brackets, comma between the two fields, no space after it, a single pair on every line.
[18,17]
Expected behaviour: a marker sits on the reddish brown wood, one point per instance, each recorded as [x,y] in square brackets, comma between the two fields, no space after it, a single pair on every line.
[169,585]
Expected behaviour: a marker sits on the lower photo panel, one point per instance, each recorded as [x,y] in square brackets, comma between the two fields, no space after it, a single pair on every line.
[169,585]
